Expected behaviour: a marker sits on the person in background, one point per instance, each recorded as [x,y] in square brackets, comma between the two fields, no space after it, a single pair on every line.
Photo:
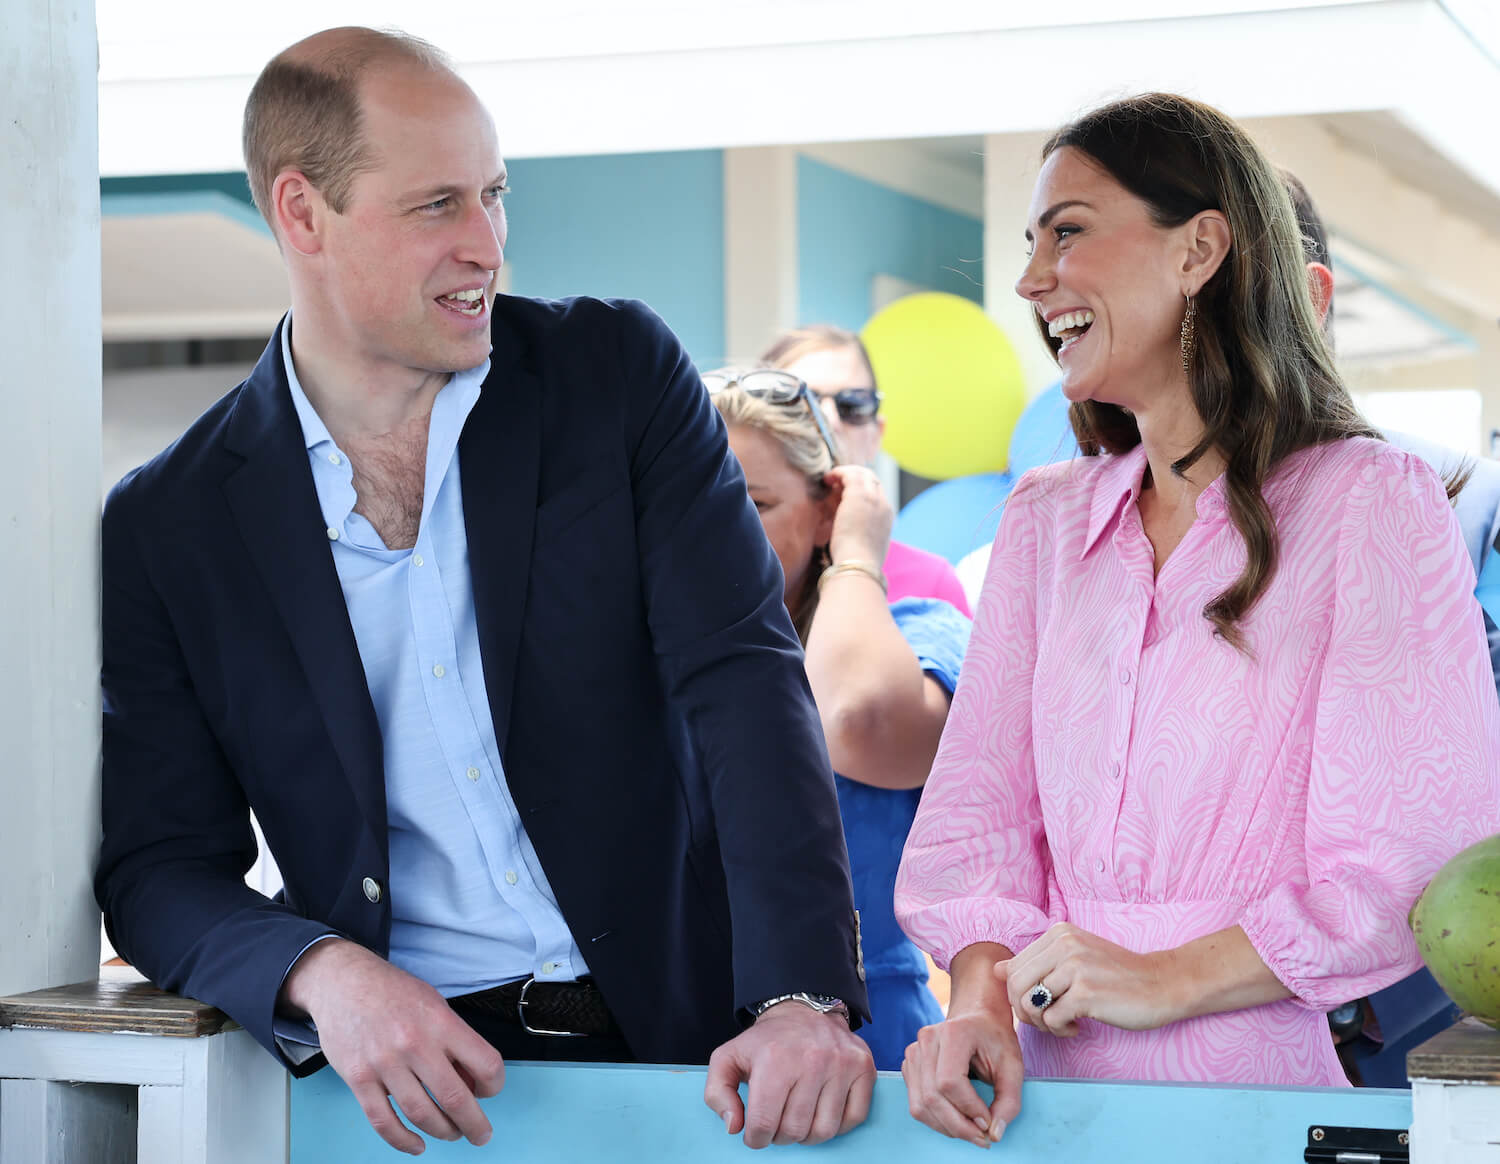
[1376,1032]
[882,672]
[1478,503]
[1178,812]
[835,366]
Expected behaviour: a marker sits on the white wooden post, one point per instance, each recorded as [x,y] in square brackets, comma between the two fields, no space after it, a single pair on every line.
[49,492]
[69,1096]
[49,506]
[1011,162]
[760,248]
[1455,1096]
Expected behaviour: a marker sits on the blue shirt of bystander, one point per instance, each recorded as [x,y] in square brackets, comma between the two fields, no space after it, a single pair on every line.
[876,821]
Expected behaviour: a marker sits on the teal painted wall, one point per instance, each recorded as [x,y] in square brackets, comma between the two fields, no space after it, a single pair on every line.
[647,226]
[231,182]
[850,229]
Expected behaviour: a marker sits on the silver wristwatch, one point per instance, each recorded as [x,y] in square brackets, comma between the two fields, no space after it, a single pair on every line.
[822,1003]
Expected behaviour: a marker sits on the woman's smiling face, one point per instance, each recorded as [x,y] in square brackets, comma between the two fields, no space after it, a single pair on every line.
[1108,281]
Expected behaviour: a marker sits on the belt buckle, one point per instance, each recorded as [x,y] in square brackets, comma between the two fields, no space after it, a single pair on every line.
[531,1030]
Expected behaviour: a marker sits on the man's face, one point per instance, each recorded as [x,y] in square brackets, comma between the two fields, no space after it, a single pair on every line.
[408,270]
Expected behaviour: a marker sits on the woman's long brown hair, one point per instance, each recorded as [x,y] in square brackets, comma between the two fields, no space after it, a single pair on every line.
[1261,375]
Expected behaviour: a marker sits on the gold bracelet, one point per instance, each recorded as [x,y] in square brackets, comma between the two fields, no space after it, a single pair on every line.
[853,566]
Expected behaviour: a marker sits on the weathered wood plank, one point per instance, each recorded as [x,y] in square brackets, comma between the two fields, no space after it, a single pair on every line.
[1467,1052]
[115,1002]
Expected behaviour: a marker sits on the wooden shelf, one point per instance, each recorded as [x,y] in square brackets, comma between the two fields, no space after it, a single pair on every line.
[1468,1052]
[119,1001]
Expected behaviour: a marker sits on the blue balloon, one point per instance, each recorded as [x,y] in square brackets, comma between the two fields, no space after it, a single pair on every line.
[956,516]
[1043,434]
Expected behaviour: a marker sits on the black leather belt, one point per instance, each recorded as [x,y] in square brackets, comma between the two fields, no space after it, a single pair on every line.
[561,1010]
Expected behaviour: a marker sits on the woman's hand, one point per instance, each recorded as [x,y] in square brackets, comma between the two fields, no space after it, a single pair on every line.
[1089,978]
[862,523]
[977,1040]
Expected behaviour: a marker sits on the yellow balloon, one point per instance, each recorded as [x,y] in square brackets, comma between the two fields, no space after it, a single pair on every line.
[952,385]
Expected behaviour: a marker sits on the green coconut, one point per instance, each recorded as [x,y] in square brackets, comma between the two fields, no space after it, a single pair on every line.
[1457,926]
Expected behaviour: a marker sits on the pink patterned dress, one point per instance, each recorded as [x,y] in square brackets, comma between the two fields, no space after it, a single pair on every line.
[1110,763]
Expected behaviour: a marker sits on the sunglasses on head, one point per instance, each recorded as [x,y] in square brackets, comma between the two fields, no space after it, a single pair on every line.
[775,387]
[855,405]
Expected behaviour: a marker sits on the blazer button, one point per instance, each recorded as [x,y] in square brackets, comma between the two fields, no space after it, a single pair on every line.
[372,889]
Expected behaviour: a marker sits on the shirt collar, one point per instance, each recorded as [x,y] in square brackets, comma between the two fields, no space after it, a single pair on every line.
[314,431]
[1119,481]
[462,388]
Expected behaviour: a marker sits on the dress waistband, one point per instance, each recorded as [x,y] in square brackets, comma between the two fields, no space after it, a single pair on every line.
[1159,925]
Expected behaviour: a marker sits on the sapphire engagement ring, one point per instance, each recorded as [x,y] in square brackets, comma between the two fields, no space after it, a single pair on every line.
[1039,996]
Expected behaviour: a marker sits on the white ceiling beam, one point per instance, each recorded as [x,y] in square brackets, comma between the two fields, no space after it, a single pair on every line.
[944,71]
[1437,250]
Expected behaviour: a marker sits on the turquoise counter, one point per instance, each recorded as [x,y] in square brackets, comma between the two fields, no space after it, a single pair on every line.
[560,1113]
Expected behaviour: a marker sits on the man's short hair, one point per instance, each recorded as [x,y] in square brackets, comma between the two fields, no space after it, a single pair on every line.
[303,112]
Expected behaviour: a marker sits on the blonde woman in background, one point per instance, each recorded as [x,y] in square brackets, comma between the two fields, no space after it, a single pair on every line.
[837,370]
[881,672]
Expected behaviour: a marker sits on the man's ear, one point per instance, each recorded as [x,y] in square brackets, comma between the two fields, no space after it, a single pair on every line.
[1209,239]
[298,210]
[1320,284]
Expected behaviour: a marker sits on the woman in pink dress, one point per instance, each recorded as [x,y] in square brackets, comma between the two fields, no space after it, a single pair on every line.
[1227,706]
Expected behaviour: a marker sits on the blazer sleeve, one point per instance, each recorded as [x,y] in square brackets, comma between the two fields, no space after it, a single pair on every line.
[1405,769]
[732,666]
[177,840]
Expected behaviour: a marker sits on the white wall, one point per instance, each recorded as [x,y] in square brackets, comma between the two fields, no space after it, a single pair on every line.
[145,411]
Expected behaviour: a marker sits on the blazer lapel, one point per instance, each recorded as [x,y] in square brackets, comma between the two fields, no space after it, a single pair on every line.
[499,461]
[274,504]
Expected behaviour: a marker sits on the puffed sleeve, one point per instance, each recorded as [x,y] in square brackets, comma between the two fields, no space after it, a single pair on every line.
[976,866]
[1405,743]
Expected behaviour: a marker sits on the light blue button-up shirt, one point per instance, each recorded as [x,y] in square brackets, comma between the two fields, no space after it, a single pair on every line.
[470,905]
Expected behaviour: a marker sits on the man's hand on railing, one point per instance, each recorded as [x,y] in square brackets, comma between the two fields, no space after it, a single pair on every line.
[392,1036]
[810,1078]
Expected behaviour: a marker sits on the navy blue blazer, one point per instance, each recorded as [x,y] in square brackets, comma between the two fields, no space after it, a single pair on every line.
[656,727]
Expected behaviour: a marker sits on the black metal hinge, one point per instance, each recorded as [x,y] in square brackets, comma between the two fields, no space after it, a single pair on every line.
[1329,1145]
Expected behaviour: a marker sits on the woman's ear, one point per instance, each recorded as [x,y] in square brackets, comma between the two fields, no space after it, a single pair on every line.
[1209,239]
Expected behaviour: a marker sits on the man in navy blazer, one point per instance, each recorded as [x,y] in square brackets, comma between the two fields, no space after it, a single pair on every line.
[576,648]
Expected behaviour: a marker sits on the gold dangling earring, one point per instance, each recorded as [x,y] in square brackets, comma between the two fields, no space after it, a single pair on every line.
[1189,335]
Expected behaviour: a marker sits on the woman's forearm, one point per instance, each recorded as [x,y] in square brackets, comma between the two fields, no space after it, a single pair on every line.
[973,985]
[1219,972]
[881,714]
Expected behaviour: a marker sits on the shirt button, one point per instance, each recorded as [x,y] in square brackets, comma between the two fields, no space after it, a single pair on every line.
[335,459]
[333,534]
[549,967]
[416,559]
[438,670]
[473,773]
[1099,864]
[372,889]
[1124,674]
[510,877]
